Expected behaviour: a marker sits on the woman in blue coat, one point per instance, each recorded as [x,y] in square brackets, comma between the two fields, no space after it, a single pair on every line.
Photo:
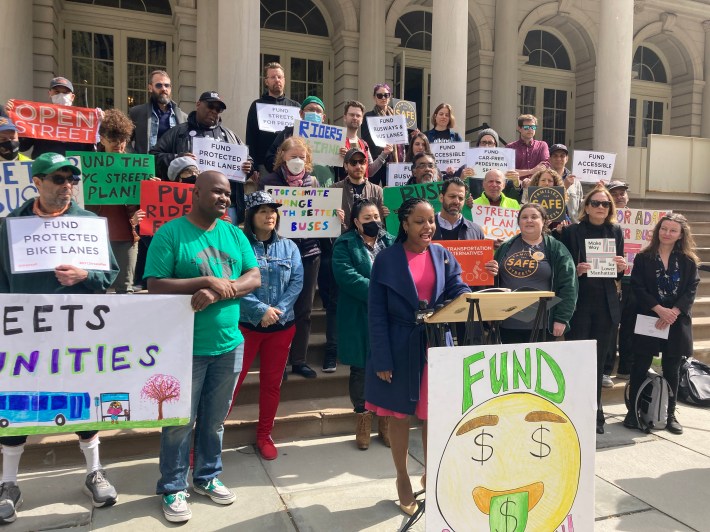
[409,272]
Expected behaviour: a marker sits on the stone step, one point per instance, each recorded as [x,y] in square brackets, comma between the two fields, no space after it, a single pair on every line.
[704,286]
[701,307]
[702,240]
[701,328]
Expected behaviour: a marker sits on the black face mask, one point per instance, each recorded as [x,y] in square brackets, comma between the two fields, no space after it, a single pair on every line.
[9,149]
[371,229]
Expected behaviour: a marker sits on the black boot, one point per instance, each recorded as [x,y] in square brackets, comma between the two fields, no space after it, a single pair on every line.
[631,421]
[673,426]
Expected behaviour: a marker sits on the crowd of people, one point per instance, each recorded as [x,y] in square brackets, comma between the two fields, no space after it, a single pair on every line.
[259,300]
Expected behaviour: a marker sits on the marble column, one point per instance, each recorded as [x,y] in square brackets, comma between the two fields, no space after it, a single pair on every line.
[449,59]
[371,65]
[705,122]
[206,38]
[16,51]
[504,108]
[613,83]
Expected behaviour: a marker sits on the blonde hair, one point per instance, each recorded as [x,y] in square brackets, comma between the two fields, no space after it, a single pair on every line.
[294,142]
[556,178]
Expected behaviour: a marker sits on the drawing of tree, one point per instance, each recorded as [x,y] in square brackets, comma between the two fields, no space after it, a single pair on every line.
[161,389]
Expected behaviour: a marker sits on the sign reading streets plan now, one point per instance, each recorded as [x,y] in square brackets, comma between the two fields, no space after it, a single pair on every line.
[89,362]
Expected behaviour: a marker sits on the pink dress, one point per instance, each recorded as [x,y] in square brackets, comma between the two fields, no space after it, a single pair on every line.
[422,270]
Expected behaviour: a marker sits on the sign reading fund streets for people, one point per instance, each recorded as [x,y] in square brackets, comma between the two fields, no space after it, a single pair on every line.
[386,130]
[90,362]
[41,244]
[113,178]
[511,438]
[274,118]
[308,212]
[64,123]
[221,156]
[591,166]
[325,141]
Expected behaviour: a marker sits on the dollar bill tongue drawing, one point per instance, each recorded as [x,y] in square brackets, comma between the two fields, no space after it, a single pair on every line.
[509,512]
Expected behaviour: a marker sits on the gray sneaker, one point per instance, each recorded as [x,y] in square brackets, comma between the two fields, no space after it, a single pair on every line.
[216,491]
[175,507]
[10,501]
[100,490]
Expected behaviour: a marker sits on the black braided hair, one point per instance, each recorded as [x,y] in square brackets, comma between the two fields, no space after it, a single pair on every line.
[403,213]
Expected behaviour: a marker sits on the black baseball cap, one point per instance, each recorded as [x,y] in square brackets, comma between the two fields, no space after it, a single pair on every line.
[212,96]
[558,147]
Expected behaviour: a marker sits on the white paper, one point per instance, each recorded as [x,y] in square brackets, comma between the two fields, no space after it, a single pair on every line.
[274,118]
[450,154]
[600,254]
[308,212]
[646,326]
[391,129]
[484,159]
[496,222]
[398,174]
[591,166]
[221,156]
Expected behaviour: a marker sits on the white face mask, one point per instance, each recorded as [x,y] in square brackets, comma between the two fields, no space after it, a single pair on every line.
[295,166]
[62,99]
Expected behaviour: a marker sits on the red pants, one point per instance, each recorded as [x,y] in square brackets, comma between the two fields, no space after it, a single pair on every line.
[274,348]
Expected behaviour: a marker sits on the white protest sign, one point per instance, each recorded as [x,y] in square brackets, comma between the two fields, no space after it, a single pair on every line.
[591,166]
[637,225]
[274,118]
[41,244]
[496,222]
[398,174]
[450,154]
[221,156]
[511,437]
[16,185]
[600,254]
[386,130]
[325,141]
[308,212]
[86,362]
[484,159]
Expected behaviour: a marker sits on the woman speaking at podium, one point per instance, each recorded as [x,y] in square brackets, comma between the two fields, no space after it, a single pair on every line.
[410,272]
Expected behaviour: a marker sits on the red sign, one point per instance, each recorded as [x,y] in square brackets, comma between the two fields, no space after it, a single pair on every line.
[472,256]
[163,201]
[55,122]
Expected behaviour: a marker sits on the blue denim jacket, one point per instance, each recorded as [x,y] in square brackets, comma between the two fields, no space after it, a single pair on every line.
[154,124]
[281,281]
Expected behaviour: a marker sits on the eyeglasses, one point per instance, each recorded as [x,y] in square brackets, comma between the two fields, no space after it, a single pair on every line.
[354,162]
[215,107]
[488,143]
[431,166]
[382,95]
[597,203]
[161,85]
[275,77]
[530,126]
[59,180]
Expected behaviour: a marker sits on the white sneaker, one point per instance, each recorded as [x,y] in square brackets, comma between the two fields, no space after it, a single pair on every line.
[216,491]
[607,382]
[175,507]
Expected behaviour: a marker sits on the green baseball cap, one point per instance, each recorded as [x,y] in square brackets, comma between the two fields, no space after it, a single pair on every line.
[51,162]
[313,99]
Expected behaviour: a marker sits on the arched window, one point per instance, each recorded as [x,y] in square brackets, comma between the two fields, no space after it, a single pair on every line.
[159,7]
[543,49]
[650,102]
[295,16]
[647,66]
[414,30]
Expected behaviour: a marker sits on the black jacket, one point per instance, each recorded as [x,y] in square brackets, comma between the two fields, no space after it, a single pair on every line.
[259,141]
[141,116]
[271,152]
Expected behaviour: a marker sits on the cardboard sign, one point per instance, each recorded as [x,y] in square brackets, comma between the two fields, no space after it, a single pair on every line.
[600,254]
[591,166]
[113,178]
[55,122]
[386,130]
[484,159]
[407,109]
[637,225]
[552,199]
[398,174]
[274,118]
[308,212]
[221,156]
[91,362]
[393,197]
[511,437]
[325,141]
[163,201]
[496,222]
[449,154]
[472,256]
[16,185]
[41,244]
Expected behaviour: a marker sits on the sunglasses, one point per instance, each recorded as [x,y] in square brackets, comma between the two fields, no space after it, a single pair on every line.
[354,162]
[382,95]
[215,107]
[597,203]
[161,85]
[530,126]
[60,179]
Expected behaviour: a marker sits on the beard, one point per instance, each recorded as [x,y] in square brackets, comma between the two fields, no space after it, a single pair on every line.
[161,98]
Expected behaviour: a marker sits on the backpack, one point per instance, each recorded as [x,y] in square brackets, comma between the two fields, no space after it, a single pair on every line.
[651,402]
[694,386]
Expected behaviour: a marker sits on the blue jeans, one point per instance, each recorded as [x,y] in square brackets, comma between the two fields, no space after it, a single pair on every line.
[213,381]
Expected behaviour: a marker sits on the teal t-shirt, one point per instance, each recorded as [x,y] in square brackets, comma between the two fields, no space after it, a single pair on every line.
[181,250]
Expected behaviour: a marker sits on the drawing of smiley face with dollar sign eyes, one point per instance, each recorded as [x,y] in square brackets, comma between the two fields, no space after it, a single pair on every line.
[511,464]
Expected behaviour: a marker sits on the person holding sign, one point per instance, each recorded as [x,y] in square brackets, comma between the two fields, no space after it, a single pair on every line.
[406,277]
[492,194]
[534,259]
[267,318]
[423,169]
[353,254]
[419,144]
[598,307]
[352,119]
[665,280]
[54,177]
[530,155]
[546,178]
[443,121]
[381,96]
[559,156]
[200,255]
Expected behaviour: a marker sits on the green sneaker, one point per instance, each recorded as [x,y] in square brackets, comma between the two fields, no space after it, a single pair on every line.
[216,491]
[175,507]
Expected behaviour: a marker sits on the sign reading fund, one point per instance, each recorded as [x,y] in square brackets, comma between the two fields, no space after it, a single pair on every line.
[449,154]
[484,159]
[41,244]
[221,156]
[308,212]
[68,365]
[274,118]
[511,437]
[591,166]
[64,123]
[386,130]
[325,141]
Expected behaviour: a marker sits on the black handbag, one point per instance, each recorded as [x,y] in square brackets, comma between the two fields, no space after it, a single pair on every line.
[694,386]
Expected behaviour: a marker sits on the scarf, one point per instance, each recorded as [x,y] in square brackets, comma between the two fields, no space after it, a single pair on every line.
[294,180]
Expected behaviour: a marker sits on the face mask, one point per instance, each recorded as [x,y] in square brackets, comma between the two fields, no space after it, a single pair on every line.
[313,117]
[62,99]
[371,229]
[9,149]
[295,166]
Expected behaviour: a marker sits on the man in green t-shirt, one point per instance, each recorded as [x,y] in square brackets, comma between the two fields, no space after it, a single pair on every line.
[212,260]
